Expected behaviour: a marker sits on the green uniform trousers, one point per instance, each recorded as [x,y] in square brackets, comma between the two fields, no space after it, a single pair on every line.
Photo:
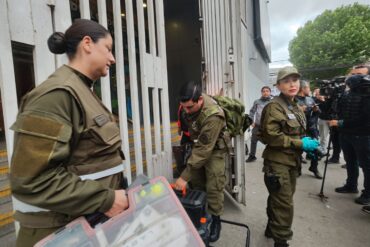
[28,237]
[280,201]
[211,178]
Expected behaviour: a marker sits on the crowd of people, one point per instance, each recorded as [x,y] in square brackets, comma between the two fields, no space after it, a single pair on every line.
[296,121]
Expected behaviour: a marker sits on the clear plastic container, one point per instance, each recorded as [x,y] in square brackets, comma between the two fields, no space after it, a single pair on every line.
[155,218]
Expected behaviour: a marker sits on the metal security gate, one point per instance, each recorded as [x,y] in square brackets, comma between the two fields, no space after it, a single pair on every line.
[152,77]
[31,22]
[222,72]
[154,81]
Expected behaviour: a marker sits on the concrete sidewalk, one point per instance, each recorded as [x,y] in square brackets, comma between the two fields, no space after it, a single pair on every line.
[338,222]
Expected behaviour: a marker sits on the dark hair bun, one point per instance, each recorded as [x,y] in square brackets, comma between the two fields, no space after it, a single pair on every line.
[57,43]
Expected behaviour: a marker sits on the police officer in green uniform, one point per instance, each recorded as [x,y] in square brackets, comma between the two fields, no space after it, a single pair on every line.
[282,128]
[205,168]
[67,158]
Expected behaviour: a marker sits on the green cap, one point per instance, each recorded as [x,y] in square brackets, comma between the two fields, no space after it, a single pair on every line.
[287,71]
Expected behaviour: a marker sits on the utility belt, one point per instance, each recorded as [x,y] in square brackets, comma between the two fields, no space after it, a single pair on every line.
[27,208]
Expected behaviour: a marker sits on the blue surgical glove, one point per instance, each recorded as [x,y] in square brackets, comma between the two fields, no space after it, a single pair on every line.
[309,144]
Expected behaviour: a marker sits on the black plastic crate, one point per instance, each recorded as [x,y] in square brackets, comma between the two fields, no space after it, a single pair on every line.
[194,202]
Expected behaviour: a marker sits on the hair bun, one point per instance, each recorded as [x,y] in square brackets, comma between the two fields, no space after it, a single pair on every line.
[57,43]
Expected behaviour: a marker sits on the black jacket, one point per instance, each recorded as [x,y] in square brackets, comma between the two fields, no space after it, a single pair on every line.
[359,125]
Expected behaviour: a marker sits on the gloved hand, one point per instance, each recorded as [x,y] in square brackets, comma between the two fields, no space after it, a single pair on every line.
[309,144]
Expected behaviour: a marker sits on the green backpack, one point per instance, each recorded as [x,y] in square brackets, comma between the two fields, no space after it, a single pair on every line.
[237,121]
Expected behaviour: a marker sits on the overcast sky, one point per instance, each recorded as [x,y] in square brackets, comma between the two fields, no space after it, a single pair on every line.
[286,16]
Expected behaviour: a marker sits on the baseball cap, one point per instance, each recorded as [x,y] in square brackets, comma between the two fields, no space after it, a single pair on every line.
[287,71]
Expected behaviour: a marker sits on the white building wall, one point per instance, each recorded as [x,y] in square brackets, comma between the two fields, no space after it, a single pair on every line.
[256,69]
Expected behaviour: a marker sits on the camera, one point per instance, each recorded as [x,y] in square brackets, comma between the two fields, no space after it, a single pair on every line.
[332,90]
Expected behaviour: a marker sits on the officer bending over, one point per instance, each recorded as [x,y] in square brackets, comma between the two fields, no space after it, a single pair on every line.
[205,168]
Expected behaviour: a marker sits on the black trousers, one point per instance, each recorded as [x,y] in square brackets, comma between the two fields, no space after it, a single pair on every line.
[336,143]
[356,151]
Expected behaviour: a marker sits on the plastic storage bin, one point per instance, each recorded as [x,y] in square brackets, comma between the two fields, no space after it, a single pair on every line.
[155,218]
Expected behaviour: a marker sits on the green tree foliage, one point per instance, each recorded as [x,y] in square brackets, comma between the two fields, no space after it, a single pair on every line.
[336,40]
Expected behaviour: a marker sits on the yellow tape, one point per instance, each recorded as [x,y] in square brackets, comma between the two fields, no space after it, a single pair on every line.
[4,170]
[5,192]
[6,218]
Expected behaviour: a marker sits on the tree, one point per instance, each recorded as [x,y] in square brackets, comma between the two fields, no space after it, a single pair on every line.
[332,43]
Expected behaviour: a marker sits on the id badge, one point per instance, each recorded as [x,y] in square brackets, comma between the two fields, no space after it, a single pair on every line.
[291,116]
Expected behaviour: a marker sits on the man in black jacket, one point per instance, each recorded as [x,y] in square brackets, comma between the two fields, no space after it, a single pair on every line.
[354,127]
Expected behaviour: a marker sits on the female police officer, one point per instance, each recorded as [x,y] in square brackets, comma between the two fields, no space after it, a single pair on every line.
[282,126]
[67,158]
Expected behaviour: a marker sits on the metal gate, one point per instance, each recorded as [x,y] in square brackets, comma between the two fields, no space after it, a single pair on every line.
[222,74]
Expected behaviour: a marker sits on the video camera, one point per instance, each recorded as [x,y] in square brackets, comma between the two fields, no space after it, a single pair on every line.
[332,90]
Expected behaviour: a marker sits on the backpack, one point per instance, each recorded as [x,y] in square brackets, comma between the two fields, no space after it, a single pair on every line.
[237,121]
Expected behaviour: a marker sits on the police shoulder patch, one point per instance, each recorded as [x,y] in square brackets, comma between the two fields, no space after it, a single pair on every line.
[204,138]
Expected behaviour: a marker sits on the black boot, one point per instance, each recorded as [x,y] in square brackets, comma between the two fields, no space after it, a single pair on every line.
[315,172]
[251,158]
[215,229]
[333,160]
[347,189]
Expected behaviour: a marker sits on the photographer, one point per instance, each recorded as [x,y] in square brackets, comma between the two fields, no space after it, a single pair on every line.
[354,126]
[331,91]
[312,112]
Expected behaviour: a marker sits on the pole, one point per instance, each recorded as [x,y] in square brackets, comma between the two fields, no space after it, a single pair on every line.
[321,194]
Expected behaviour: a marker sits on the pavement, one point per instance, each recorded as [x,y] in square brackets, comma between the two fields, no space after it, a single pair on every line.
[338,221]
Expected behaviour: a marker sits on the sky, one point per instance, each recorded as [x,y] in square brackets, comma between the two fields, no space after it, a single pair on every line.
[286,16]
